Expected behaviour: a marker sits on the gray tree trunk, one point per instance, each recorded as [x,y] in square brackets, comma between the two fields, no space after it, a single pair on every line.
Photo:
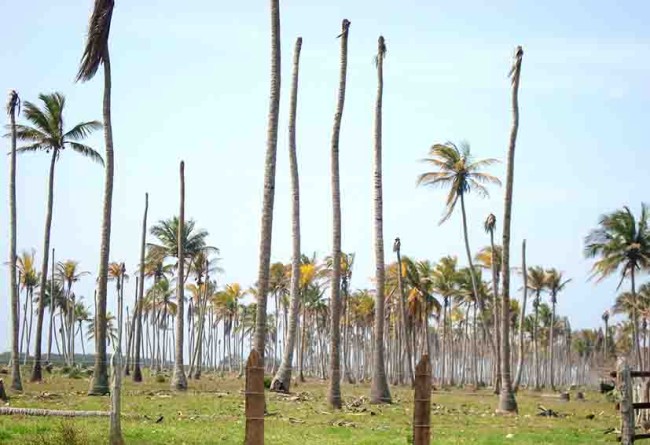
[137,313]
[179,380]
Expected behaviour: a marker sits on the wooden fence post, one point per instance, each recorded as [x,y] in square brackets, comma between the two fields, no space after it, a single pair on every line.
[255,402]
[624,386]
[422,402]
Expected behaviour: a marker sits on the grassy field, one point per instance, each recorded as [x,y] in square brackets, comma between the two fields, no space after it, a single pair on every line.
[211,411]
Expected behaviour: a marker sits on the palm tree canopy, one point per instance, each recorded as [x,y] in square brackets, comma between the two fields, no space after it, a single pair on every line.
[536,279]
[484,257]
[96,50]
[555,282]
[68,272]
[47,131]
[166,231]
[26,266]
[456,169]
[620,242]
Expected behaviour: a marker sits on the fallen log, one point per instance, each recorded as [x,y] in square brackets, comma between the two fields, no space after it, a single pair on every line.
[39,412]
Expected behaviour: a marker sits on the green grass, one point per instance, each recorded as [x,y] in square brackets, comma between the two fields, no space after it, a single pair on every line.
[211,411]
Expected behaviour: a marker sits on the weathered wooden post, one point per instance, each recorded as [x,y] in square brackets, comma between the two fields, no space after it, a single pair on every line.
[3,393]
[255,401]
[624,386]
[422,402]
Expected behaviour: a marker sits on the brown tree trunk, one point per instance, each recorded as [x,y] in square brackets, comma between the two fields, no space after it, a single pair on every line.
[137,371]
[334,396]
[379,392]
[507,402]
[522,317]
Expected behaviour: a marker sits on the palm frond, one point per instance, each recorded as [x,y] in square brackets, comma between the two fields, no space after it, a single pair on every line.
[96,49]
[87,151]
[82,130]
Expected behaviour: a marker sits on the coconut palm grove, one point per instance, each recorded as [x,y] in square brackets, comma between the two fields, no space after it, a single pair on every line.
[412,223]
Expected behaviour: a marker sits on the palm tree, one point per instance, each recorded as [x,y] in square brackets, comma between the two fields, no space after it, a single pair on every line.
[555,283]
[401,273]
[456,169]
[334,396]
[96,53]
[507,402]
[537,284]
[444,280]
[69,274]
[605,318]
[28,280]
[47,134]
[522,316]
[179,380]
[282,379]
[379,392]
[111,330]
[621,243]
[495,262]
[81,315]
[137,371]
[13,107]
[167,233]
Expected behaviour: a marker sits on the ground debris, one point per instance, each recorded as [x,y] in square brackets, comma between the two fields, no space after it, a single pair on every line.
[547,412]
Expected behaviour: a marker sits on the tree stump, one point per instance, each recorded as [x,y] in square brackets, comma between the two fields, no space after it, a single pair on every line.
[580,395]
[255,401]
[3,394]
[422,402]
[564,396]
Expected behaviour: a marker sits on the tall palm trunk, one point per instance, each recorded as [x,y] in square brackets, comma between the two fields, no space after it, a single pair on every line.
[379,392]
[16,382]
[52,308]
[402,309]
[535,342]
[551,340]
[99,384]
[495,301]
[137,371]
[507,402]
[269,183]
[334,396]
[115,429]
[635,321]
[282,380]
[37,372]
[179,380]
[522,317]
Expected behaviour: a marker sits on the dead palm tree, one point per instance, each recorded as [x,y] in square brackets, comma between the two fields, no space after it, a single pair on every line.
[46,133]
[334,396]
[96,53]
[282,379]
[13,108]
[269,183]
[379,392]
[507,402]
[179,380]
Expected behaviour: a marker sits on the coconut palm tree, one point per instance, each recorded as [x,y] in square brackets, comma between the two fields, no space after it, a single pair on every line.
[167,234]
[379,392]
[605,318]
[96,53]
[455,168]
[81,315]
[179,380]
[266,229]
[537,284]
[137,308]
[282,379]
[507,402]
[46,133]
[494,261]
[69,273]
[28,281]
[621,243]
[111,330]
[13,108]
[444,281]
[555,283]
[334,396]
[401,275]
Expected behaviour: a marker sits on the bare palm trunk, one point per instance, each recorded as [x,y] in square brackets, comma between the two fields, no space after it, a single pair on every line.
[115,431]
[179,380]
[282,379]
[495,301]
[551,340]
[16,382]
[269,183]
[507,402]
[334,396]
[379,392]
[535,342]
[402,309]
[635,321]
[137,371]
[52,309]
[522,317]
[37,372]
[99,384]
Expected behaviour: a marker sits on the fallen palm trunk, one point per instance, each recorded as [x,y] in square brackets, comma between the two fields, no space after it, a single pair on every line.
[39,412]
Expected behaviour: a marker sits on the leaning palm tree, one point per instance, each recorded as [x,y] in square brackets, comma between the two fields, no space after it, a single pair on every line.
[621,243]
[555,283]
[456,169]
[266,229]
[379,392]
[46,133]
[282,379]
[96,53]
[13,107]
[507,402]
[334,396]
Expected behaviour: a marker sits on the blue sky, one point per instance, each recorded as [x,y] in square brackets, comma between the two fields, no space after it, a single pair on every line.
[191,82]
